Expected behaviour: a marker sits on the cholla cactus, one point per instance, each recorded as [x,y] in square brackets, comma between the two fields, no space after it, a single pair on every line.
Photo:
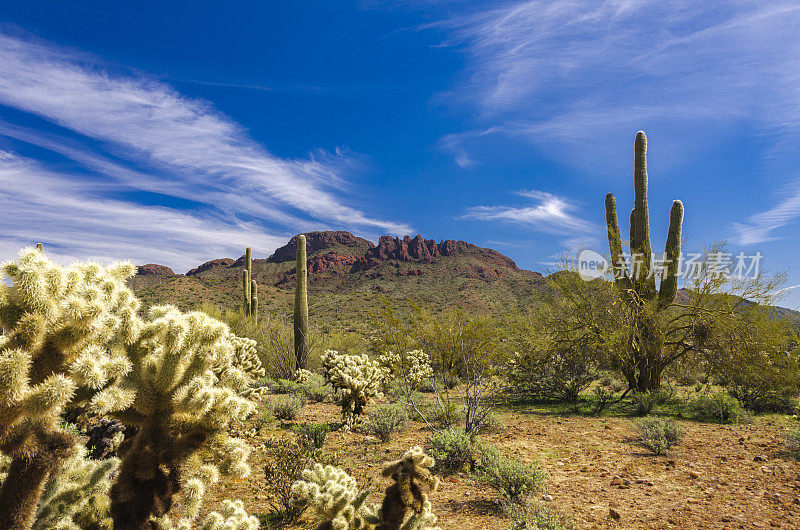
[415,366]
[233,517]
[77,495]
[190,380]
[302,375]
[356,378]
[405,505]
[63,330]
[335,497]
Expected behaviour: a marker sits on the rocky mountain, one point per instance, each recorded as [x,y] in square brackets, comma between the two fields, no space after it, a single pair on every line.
[349,276]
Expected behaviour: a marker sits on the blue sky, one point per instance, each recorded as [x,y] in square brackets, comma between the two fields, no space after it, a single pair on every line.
[178,132]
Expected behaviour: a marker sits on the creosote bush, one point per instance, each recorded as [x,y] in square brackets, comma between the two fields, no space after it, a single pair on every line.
[385,420]
[512,479]
[657,435]
[791,441]
[718,408]
[530,515]
[314,432]
[287,408]
[452,449]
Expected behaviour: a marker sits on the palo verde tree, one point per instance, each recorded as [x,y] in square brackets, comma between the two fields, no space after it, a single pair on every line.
[63,334]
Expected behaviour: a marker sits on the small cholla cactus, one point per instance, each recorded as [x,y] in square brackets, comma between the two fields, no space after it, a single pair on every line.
[302,375]
[357,379]
[335,498]
[405,505]
[63,334]
[415,366]
[76,497]
[190,380]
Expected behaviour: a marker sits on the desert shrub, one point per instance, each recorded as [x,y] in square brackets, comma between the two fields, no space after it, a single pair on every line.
[452,449]
[385,420]
[284,386]
[657,435]
[286,461]
[718,407]
[356,379]
[646,401]
[314,432]
[512,479]
[531,515]
[443,413]
[314,388]
[450,380]
[287,408]
[602,398]
[552,371]
[791,441]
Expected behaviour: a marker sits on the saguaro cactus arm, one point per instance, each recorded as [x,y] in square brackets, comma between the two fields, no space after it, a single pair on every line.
[672,254]
[621,277]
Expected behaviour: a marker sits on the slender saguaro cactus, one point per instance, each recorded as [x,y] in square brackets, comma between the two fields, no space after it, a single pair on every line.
[301,348]
[247,283]
[254,301]
[638,284]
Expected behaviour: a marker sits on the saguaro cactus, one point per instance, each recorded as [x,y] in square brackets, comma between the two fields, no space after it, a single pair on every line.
[638,284]
[301,347]
[254,301]
[247,287]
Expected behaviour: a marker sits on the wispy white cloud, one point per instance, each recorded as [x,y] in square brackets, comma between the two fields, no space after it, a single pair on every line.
[582,76]
[161,141]
[64,211]
[549,213]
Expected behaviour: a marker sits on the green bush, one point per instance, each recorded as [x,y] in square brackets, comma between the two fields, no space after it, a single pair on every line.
[450,380]
[445,415]
[657,435]
[602,398]
[718,408]
[315,433]
[490,424]
[646,401]
[452,449]
[385,420]
[513,479]
[287,408]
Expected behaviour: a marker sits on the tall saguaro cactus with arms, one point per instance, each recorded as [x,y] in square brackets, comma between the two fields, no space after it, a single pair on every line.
[301,347]
[249,290]
[637,284]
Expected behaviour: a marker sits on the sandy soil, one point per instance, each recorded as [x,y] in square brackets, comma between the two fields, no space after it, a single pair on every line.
[720,476]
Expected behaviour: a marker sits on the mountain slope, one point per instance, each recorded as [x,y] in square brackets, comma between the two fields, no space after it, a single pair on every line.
[348,277]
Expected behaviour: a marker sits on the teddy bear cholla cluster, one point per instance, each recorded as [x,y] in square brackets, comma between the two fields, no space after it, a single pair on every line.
[334,496]
[415,366]
[356,379]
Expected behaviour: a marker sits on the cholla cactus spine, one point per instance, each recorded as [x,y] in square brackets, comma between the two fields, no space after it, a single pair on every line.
[405,505]
[301,345]
[415,366]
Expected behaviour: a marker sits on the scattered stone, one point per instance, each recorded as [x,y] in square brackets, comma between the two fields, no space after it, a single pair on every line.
[547,497]
[693,475]
[760,458]
[616,481]
[614,514]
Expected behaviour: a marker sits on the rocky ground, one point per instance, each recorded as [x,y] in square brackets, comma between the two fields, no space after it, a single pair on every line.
[720,476]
